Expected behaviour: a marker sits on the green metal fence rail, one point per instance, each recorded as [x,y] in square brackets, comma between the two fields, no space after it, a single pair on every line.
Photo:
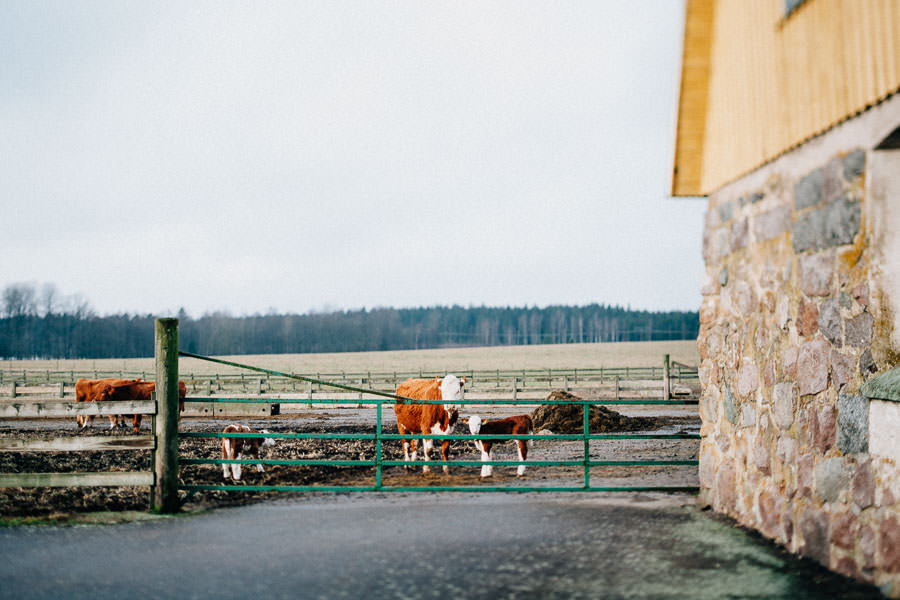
[378,463]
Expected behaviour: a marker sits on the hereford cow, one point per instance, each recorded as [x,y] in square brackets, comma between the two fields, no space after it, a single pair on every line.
[518,425]
[94,390]
[234,448]
[426,419]
[138,390]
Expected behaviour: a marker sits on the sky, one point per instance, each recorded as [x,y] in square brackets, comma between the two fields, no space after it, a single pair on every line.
[256,157]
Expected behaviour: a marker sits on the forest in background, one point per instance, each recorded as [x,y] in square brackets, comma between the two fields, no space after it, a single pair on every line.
[40,323]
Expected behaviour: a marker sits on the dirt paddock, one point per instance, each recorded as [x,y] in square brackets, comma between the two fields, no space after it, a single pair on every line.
[59,502]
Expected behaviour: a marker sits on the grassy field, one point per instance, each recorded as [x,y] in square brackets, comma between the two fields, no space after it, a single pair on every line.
[622,354]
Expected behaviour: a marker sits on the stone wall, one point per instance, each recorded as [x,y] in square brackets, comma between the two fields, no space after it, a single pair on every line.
[792,323]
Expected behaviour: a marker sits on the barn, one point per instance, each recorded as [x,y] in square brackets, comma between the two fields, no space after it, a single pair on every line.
[789,126]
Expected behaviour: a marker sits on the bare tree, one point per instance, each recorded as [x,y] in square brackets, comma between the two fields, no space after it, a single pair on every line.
[19,300]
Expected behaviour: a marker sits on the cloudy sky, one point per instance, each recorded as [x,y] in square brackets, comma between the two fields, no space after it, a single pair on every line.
[297,156]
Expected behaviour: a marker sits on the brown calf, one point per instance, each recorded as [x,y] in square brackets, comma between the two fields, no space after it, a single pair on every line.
[518,425]
[234,448]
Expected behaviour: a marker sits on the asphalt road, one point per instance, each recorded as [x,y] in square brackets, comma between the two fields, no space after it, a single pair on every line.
[417,546]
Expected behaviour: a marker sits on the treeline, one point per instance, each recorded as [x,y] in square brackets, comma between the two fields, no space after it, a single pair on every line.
[33,327]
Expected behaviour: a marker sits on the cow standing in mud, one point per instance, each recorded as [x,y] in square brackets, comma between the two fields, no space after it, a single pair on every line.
[518,425]
[425,419]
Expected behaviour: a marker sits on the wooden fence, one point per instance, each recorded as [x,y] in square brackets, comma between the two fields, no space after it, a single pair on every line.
[163,441]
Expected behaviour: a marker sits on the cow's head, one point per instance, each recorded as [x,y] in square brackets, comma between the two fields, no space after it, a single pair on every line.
[452,390]
[474,424]
[267,441]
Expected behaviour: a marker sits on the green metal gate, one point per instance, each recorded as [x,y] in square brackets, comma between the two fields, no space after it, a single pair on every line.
[379,437]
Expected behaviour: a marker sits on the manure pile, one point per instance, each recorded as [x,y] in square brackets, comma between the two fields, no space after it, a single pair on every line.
[569,418]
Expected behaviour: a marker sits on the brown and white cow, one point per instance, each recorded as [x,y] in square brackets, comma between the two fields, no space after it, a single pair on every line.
[428,419]
[136,390]
[234,448]
[95,390]
[518,425]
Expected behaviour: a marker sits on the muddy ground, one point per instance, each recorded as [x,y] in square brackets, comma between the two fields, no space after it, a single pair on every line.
[60,502]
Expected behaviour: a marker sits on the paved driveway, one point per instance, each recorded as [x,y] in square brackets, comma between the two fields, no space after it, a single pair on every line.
[416,546]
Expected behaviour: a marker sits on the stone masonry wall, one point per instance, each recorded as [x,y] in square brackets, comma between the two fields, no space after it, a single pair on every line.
[791,326]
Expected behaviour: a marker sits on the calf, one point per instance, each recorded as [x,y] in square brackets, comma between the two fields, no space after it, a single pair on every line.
[518,425]
[234,448]
[426,419]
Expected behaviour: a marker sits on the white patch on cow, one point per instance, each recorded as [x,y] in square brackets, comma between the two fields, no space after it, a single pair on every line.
[521,470]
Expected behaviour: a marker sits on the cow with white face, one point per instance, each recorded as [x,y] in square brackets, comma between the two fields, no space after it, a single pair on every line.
[518,425]
[428,419]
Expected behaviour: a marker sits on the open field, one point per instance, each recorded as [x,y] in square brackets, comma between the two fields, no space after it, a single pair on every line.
[553,356]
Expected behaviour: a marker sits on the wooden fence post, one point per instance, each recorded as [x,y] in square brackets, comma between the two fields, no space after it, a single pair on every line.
[164,494]
[12,392]
[667,388]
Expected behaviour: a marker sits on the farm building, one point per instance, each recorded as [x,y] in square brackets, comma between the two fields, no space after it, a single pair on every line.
[789,124]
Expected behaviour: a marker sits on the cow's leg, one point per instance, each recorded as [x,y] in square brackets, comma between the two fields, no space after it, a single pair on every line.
[445,454]
[405,443]
[426,450]
[135,423]
[523,454]
[259,467]
[236,468]
[486,470]
[227,454]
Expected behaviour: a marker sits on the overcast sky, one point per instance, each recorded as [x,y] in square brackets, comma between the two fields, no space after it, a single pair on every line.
[297,156]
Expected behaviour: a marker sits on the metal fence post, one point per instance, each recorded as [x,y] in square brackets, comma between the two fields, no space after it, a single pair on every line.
[378,445]
[164,494]
[587,445]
